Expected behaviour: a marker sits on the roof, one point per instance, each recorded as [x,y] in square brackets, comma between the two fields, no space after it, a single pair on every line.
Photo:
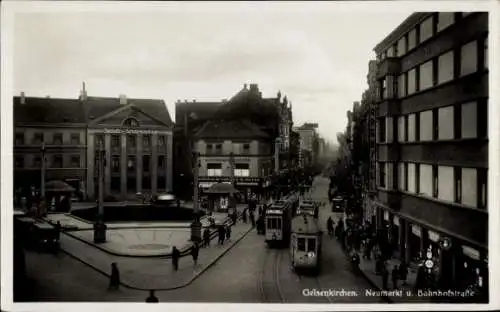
[230,129]
[48,110]
[399,31]
[195,111]
[57,110]
[305,224]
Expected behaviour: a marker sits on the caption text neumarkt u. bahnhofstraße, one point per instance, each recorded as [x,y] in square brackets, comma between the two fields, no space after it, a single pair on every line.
[308,292]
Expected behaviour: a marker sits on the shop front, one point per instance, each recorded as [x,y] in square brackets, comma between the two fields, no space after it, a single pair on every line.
[396,235]
[470,269]
[414,243]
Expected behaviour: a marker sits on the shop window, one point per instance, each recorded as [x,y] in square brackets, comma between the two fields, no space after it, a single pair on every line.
[301,244]
[311,244]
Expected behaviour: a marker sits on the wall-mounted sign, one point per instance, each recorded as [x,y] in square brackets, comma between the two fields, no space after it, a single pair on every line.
[433,236]
[226,179]
[274,212]
[415,229]
[128,131]
[471,252]
[396,220]
[386,215]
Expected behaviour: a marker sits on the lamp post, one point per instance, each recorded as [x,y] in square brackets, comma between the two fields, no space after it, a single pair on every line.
[232,204]
[99,225]
[42,182]
[196,224]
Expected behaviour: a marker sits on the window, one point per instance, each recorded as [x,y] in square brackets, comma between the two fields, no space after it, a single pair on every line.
[115,164]
[482,184]
[426,79]
[131,164]
[161,140]
[417,178]
[19,139]
[412,39]
[402,176]
[19,162]
[391,52]
[381,130]
[99,140]
[469,120]
[161,161]
[412,81]
[446,183]
[218,148]
[311,245]
[242,170]
[75,139]
[458,184]
[131,141]
[435,181]
[246,148]
[57,161]
[209,149]
[57,139]
[381,174]
[146,141]
[469,187]
[426,29]
[446,127]
[131,122]
[411,178]
[301,244]
[115,141]
[75,161]
[146,163]
[426,180]
[383,88]
[411,128]
[468,58]
[446,68]
[402,46]
[389,129]
[426,126]
[445,19]
[402,85]
[401,128]
[38,138]
[485,51]
[214,170]
[237,148]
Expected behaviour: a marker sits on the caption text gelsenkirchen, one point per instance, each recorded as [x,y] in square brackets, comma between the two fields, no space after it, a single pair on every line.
[314,292]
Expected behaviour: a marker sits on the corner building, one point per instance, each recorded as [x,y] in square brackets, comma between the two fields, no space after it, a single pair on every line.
[432,143]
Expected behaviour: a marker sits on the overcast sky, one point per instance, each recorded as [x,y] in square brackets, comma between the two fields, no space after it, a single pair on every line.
[317,57]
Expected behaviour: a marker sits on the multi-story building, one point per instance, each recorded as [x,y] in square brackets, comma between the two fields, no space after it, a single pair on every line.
[135,135]
[272,116]
[308,144]
[433,142]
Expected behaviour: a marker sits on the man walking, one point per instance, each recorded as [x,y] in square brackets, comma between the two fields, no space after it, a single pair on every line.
[175,258]
[195,250]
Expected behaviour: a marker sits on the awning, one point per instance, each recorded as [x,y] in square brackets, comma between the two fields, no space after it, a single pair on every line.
[58,186]
[205,184]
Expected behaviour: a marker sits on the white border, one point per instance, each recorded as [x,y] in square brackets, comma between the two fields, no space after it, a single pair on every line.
[10,8]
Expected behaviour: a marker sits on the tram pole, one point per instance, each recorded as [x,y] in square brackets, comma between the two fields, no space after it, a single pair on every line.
[196,224]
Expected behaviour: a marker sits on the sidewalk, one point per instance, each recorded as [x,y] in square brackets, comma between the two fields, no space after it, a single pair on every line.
[144,274]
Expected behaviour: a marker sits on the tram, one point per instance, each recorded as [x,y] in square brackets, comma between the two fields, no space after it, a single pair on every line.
[277,222]
[306,243]
[308,207]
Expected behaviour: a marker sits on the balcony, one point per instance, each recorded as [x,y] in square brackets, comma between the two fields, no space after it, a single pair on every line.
[389,66]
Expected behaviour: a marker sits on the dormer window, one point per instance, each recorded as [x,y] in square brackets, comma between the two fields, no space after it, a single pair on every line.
[131,122]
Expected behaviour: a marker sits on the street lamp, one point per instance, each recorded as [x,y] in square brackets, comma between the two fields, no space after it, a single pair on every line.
[196,224]
[99,225]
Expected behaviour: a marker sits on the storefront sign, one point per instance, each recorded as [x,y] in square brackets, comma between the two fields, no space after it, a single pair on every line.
[386,215]
[396,220]
[205,184]
[433,236]
[415,229]
[471,252]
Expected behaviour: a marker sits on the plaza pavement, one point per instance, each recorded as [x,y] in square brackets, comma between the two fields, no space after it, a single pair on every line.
[152,273]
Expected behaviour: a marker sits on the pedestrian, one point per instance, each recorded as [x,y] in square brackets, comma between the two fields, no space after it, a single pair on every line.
[244,215]
[222,235]
[58,230]
[252,219]
[206,238]
[152,298]
[175,258]
[114,279]
[395,276]
[403,272]
[385,276]
[228,233]
[195,250]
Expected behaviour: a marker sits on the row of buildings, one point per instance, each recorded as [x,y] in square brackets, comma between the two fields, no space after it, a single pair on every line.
[421,130]
[146,152]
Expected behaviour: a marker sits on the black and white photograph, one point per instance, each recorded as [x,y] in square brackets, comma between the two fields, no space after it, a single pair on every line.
[308,154]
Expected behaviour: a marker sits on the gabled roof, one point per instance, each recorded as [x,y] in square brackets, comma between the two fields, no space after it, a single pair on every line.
[195,111]
[231,129]
[248,102]
[63,111]
[49,110]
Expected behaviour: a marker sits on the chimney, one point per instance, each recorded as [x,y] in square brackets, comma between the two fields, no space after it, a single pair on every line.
[185,101]
[245,86]
[22,99]
[254,87]
[279,95]
[123,99]
[83,93]
[178,101]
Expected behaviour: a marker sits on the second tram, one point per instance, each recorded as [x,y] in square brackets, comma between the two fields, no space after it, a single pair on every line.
[306,244]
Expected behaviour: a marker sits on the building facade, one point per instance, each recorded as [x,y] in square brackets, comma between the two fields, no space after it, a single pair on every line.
[432,142]
[308,143]
[135,136]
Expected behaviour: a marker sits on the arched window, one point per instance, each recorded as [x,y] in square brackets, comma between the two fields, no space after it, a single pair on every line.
[131,122]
